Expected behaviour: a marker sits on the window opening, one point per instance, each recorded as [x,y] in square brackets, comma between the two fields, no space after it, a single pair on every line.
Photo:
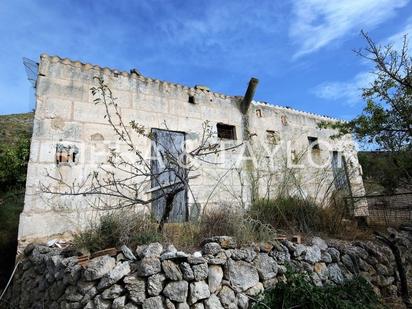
[226,131]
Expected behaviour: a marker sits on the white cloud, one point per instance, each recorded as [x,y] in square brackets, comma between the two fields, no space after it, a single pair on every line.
[316,23]
[222,26]
[349,91]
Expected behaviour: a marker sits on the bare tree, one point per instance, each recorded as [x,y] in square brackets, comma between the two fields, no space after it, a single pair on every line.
[386,120]
[129,178]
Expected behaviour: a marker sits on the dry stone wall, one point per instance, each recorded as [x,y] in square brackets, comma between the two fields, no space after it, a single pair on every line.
[221,275]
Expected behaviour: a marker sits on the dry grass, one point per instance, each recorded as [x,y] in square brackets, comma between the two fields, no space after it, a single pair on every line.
[296,216]
[118,228]
[288,214]
[234,222]
[184,236]
[261,223]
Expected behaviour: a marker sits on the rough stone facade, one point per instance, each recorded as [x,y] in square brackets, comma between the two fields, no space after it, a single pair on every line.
[220,276]
[69,127]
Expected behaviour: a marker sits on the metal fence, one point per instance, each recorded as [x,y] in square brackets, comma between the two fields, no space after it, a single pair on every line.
[388,210]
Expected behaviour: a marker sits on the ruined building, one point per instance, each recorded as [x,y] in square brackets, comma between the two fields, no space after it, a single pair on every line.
[71,136]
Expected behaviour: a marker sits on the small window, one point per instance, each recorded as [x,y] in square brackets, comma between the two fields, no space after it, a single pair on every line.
[313,142]
[192,99]
[259,113]
[66,154]
[226,131]
[272,137]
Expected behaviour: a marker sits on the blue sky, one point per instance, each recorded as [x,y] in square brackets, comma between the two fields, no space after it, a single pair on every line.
[301,51]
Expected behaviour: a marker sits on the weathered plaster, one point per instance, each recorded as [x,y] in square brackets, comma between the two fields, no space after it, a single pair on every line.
[65,113]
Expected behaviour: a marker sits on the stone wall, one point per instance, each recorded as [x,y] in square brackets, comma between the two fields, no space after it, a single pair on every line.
[221,275]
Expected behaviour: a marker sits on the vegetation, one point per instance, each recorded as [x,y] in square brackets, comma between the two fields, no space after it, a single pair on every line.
[14,126]
[287,213]
[15,133]
[235,223]
[13,163]
[118,228]
[386,120]
[14,155]
[295,215]
[262,222]
[386,172]
[299,292]
[11,204]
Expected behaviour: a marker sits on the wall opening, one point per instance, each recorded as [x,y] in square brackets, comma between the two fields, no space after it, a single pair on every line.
[66,154]
[259,113]
[192,99]
[338,169]
[313,142]
[272,137]
[226,131]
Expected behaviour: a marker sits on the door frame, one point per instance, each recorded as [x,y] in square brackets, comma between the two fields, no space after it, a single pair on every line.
[154,155]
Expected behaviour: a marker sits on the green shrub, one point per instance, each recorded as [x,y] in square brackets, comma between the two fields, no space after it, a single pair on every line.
[11,204]
[14,155]
[13,163]
[386,171]
[118,228]
[299,292]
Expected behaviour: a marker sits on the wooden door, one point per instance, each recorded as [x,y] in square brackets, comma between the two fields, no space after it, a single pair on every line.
[166,143]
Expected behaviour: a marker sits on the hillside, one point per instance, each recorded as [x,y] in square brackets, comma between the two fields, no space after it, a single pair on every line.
[386,172]
[14,126]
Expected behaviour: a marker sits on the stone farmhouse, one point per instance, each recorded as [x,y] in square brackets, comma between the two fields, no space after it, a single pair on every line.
[71,137]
